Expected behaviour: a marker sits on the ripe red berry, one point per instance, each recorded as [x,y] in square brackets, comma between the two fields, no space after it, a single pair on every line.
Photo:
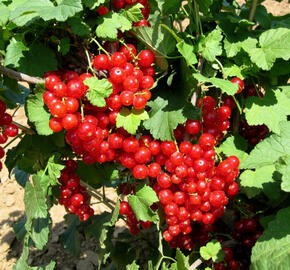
[11,130]
[118,59]
[240,83]
[146,58]
[75,88]
[101,62]
[129,51]
[55,124]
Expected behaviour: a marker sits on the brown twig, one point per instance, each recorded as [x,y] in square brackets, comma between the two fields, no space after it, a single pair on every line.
[20,76]
[24,129]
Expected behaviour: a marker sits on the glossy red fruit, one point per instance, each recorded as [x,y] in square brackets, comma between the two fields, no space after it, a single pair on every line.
[131,83]
[206,141]
[146,58]
[76,88]
[126,98]
[129,51]
[140,171]
[240,83]
[77,200]
[86,131]
[2,152]
[230,102]
[11,130]
[118,59]
[193,127]
[101,62]
[70,121]
[5,119]
[117,75]
[139,102]
[147,82]
[56,124]
[119,4]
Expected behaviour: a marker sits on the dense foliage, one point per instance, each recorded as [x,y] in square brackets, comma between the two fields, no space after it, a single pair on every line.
[182,107]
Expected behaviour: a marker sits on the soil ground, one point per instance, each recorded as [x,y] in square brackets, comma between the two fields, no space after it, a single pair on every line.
[12,210]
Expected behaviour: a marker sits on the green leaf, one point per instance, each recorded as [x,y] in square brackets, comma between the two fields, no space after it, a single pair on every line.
[141,202]
[225,85]
[5,12]
[92,4]
[97,224]
[272,250]
[284,168]
[232,70]
[21,176]
[61,12]
[36,211]
[158,40]
[54,170]
[37,114]
[27,11]
[64,46]
[15,51]
[38,60]
[133,13]
[204,5]
[234,146]
[97,174]
[19,229]
[182,260]
[70,238]
[130,120]
[109,24]
[168,6]
[165,115]
[210,46]
[253,182]
[212,250]
[187,51]
[270,110]
[98,90]
[79,27]
[274,43]
[269,150]
[132,266]
[233,47]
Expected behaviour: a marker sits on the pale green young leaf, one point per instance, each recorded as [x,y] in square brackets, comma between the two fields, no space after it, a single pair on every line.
[273,44]
[210,46]
[133,13]
[61,12]
[110,23]
[284,168]
[54,170]
[98,90]
[225,85]
[165,115]
[130,120]
[5,13]
[234,146]
[14,52]
[141,202]
[212,250]
[187,51]
[132,266]
[253,182]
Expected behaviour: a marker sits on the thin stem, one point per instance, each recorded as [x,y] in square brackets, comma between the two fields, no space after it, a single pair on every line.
[196,264]
[238,105]
[258,92]
[196,15]
[20,76]
[99,194]
[222,68]
[169,258]
[101,47]
[253,10]
[13,140]
[15,111]
[89,61]
[24,129]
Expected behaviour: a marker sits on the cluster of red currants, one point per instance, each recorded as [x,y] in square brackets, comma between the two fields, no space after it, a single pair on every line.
[130,75]
[132,221]
[7,128]
[247,232]
[73,195]
[193,188]
[215,121]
